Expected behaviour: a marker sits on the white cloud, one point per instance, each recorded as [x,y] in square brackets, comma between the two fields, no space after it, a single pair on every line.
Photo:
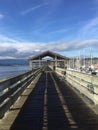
[32,9]
[24,50]
[89,29]
[4,38]
[92,24]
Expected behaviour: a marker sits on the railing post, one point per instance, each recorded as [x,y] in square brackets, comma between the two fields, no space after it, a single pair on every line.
[13,87]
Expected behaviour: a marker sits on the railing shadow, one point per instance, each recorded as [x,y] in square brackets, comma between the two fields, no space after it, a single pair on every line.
[31,115]
[48,109]
[86,119]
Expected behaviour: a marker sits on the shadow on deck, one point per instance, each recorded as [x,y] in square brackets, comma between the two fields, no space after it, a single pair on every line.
[49,109]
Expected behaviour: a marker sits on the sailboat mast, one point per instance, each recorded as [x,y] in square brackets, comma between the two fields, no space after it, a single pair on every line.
[90,56]
[84,58]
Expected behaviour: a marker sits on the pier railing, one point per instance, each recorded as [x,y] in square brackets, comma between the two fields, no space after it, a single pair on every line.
[11,89]
[86,84]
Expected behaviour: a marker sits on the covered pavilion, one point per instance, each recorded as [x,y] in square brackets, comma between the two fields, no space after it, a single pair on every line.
[56,60]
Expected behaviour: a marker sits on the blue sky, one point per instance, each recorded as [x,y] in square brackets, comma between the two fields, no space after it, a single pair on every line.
[28,27]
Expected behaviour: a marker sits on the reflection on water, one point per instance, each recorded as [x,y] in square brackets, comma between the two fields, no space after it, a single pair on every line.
[9,71]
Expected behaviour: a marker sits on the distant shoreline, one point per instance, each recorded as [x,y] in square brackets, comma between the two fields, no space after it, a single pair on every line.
[14,62]
[14,65]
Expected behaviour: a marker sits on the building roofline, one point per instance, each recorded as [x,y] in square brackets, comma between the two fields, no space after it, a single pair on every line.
[48,53]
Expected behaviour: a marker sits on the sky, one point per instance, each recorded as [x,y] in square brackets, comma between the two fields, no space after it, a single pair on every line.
[29,27]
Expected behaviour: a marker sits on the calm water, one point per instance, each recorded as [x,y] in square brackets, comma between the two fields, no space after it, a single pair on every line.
[9,71]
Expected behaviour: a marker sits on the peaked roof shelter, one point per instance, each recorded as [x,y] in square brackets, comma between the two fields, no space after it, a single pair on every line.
[38,60]
[48,53]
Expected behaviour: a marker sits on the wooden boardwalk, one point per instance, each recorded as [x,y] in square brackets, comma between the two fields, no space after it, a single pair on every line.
[50,105]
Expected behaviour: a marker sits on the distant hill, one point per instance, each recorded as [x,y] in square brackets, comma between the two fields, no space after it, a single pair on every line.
[9,62]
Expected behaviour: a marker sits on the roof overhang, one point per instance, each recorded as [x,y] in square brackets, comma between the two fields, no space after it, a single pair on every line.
[48,53]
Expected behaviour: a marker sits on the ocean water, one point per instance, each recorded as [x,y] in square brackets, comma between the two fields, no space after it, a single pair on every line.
[10,71]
